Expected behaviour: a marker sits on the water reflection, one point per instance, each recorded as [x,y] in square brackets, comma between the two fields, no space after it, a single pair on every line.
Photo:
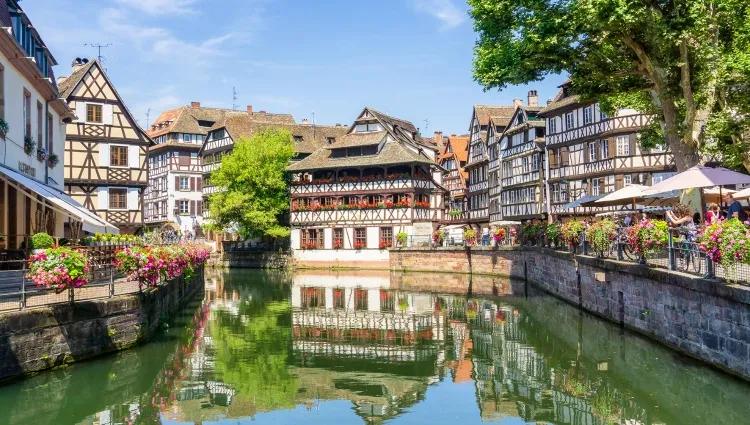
[370,347]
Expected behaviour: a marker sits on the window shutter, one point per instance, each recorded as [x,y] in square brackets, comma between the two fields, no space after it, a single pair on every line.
[103,155]
[103,198]
[134,159]
[192,208]
[81,111]
[612,142]
[552,158]
[619,182]
[199,208]
[107,114]
[199,183]
[192,184]
[176,183]
[633,142]
[564,156]
[132,198]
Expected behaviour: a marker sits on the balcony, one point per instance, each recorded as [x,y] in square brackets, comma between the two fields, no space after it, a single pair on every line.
[479,214]
[598,129]
[659,161]
[361,186]
[461,217]
[380,215]
[519,149]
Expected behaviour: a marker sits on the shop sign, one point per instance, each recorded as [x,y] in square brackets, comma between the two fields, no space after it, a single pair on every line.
[26,169]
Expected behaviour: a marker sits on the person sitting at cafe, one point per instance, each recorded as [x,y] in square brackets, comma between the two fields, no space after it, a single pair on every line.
[735,208]
[713,214]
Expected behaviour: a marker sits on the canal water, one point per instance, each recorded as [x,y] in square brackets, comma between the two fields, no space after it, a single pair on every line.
[369,347]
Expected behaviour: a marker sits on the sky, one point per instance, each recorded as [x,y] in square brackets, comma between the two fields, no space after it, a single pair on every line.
[409,58]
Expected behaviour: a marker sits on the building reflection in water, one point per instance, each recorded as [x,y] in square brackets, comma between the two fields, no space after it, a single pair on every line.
[269,343]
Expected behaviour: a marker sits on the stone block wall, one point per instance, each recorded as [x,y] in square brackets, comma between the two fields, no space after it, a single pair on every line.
[251,260]
[703,318]
[38,339]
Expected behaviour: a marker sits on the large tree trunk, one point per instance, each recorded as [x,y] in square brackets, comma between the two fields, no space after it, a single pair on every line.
[685,155]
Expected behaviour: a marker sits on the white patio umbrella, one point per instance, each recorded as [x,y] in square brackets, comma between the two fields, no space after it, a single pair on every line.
[628,195]
[700,176]
[742,194]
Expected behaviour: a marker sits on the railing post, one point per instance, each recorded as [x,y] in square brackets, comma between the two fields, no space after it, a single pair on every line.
[709,267]
[583,241]
[670,251]
[111,281]
[22,303]
[620,253]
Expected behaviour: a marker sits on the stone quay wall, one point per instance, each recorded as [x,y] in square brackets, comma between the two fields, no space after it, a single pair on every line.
[251,260]
[43,338]
[704,318]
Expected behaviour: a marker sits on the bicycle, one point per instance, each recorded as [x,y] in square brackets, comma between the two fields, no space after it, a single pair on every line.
[688,255]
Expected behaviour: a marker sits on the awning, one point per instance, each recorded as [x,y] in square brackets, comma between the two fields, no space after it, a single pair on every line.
[68,205]
[505,223]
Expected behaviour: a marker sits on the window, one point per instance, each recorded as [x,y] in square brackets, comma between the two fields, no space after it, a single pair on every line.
[338,238]
[627,180]
[183,207]
[660,177]
[118,199]
[552,125]
[184,183]
[525,163]
[298,139]
[360,299]
[186,138]
[2,92]
[660,148]
[93,113]
[39,125]
[596,186]
[338,298]
[118,156]
[50,141]
[331,140]
[592,151]
[605,149]
[534,162]
[364,128]
[588,113]
[386,237]
[360,238]
[313,297]
[569,121]
[26,113]
[623,145]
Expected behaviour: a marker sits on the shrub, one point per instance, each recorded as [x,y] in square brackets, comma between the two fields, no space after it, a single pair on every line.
[42,241]
[601,234]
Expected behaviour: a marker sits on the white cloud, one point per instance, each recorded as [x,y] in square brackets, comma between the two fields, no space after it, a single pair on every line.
[444,10]
[161,7]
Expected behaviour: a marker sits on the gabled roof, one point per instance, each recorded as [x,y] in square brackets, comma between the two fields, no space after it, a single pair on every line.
[359,139]
[392,153]
[398,128]
[68,86]
[185,120]
[460,145]
[483,113]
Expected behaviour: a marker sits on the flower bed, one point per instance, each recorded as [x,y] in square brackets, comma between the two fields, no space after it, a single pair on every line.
[59,268]
[148,264]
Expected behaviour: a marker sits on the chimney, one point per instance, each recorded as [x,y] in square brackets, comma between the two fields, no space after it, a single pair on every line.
[195,104]
[437,138]
[78,63]
[249,109]
[262,112]
[517,102]
[304,121]
[338,124]
[533,98]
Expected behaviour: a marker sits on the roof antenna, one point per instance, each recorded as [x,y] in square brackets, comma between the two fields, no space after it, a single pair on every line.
[313,117]
[148,113]
[99,47]
[426,124]
[234,99]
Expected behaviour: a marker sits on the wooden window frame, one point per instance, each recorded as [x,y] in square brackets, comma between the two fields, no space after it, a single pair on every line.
[337,236]
[120,199]
[179,206]
[94,113]
[187,184]
[360,238]
[116,156]
[386,236]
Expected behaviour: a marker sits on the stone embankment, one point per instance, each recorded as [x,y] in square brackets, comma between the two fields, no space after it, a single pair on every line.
[43,338]
[703,318]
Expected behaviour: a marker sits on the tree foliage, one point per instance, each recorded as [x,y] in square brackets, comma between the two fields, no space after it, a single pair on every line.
[685,61]
[256,187]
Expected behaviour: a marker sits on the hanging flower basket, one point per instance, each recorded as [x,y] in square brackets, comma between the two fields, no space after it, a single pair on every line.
[29,145]
[4,128]
[53,160]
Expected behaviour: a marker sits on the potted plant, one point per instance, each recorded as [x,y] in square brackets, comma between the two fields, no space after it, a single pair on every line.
[554,234]
[4,128]
[600,236]
[727,243]
[40,242]
[41,154]
[438,236]
[53,160]
[59,268]
[499,236]
[385,244]
[403,303]
[648,238]
[338,245]
[401,238]
[29,145]
[470,237]
[359,245]
[571,233]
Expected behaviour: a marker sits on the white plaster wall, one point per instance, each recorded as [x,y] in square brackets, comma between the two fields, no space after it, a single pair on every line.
[340,280]
[373,237]
[343,255]
[295,238]
[11,151]
[328,238]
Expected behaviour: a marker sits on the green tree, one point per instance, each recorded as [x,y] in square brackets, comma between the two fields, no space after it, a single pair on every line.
[256,186]
[685,61]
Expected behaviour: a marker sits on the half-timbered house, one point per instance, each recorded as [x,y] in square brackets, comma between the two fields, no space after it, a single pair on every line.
[590,154]
[106,151]
[478,161]
[33,117]
[453,160]
[174,195]
[351,198]
[517,172]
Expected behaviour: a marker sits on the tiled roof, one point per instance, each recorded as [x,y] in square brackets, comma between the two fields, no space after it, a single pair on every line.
[67,85]
[359,139]
[393,152]
[498,113]
[460,145]
[185,120]
[407,125]
[560,102]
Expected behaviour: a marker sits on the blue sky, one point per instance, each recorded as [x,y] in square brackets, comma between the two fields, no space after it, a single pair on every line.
[409,58]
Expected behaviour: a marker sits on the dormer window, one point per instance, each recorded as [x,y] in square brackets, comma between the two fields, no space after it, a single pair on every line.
[368,127]
[331,140]
[520,118]
[298,139]
[204,123]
